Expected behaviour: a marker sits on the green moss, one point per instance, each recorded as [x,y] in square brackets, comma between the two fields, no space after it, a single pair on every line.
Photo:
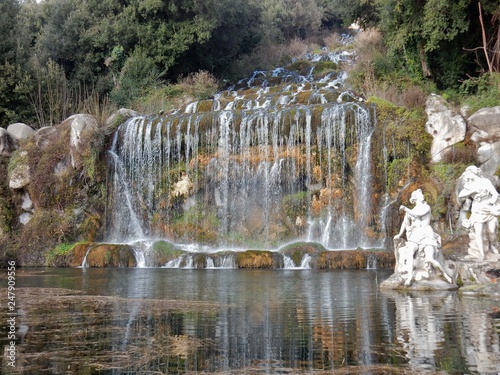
[59,250]
[296,204]
[325,66]
[166,249]
[398,169]
[445,176]
[382,104]
[19,157]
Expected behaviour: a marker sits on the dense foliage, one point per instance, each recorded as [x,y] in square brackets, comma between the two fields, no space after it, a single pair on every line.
[55,54]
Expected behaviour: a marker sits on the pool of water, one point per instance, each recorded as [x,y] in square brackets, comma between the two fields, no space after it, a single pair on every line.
[228,321]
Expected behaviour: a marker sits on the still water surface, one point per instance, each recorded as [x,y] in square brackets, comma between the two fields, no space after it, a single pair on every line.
[145,321]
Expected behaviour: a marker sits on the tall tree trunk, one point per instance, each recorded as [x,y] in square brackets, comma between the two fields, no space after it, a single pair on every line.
[423,61]
[496,43]
[485,41]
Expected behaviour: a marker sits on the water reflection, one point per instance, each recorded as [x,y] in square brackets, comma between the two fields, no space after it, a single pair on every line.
[481,343]
[131,321]
[442,331]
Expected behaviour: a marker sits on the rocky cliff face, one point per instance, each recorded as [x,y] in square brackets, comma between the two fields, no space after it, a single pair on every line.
[53,187]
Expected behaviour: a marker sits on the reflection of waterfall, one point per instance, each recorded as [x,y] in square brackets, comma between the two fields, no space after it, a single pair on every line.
[257,159]
[371,262]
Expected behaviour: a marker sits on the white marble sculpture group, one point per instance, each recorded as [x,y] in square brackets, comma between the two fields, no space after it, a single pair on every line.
[418,257]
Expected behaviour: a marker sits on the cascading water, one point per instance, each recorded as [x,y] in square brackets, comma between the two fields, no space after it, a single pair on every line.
[284,157]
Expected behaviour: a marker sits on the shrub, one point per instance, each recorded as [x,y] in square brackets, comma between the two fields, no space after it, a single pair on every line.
[463,152]
[296,48]
[200,85]
[160,98]
[138,73]
[482,92]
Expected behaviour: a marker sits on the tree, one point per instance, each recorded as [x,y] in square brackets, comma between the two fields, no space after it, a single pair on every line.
[289,19]
[344,12]
[420,26]
[490,36]
[237,31]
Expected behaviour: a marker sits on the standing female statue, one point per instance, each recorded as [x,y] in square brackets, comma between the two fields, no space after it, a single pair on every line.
[482,199]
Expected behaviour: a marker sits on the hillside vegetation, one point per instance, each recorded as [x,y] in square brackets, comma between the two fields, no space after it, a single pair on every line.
[60,57]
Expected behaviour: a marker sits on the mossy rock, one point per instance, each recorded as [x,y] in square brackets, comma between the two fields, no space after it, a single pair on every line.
[67,255]
[98,255]
[325,67]
[256,259]
[300,66]
[163,252]
[351,259]
[205,106]
[297,250]
[111,255]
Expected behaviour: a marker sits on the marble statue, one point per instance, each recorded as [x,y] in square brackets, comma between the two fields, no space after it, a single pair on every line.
[477,195]
[419,256]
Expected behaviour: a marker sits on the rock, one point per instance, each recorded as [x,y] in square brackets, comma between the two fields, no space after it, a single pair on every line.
[82,128]
[25,217]
[43,136]
[488,155]
[20,176]
[351,259]
[394,282]
[119,117]
[445,126]
[110,255]
[27,203]
[255,259]
[163,252]
[20,131]
[183,187]
[7,144]
[473,272]
[485,124]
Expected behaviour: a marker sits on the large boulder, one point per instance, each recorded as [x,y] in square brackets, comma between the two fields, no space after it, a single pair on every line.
[485,128]
[43,137]
[119,117]
[82,128]
[20,131]
[485,124]
[445,125]
[488,155]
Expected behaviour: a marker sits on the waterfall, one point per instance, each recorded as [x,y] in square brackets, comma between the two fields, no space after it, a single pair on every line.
[217,260]
[288,262]
[304,263]
[175,263]
[249,166]
[306,260]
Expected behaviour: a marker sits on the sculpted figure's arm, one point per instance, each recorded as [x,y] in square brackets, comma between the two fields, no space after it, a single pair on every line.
[417,212]
[492,192]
